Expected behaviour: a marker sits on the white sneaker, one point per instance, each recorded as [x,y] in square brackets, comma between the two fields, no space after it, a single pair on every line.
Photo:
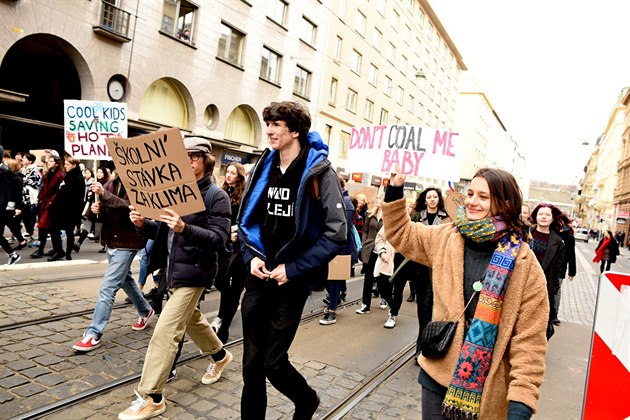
[363,310]
[391,321]
[383,304]
[216,324]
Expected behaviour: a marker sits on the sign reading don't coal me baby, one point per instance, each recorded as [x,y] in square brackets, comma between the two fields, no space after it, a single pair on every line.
[156,172]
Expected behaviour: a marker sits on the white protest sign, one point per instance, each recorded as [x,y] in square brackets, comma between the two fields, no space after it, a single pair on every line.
[88,123]
[420,151]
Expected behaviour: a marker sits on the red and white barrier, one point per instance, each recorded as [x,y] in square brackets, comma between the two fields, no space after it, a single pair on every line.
[608,380]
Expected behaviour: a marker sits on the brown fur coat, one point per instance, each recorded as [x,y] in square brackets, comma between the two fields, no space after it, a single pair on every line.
[518,362]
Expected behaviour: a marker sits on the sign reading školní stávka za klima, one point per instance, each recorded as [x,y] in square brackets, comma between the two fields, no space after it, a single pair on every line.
[88,123]
[156,172]
[420,151]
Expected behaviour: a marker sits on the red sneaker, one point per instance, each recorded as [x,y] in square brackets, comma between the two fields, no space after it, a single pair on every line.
[86,344]
[143,321]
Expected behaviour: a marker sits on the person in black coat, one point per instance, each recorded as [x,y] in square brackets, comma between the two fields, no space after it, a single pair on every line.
[10,193]
[567,235]
[67,208]
[549,250]
[606,251]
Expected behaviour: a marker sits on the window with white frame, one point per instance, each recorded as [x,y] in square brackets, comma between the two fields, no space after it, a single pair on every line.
[359,23]
[338,45]
[344,144]
[400,94]
[278,11]
[377,37]
[420,110]
[309,31]
[368,113]
[270,66]
[417,47]
[387,86]
[355,61]
[178,19]
[302,82]
[407,34]
[391,52]
[380,6]
[394,20]
[384,117]
[332,92]
[410,103]
[341,8]
[402,64]
[373,74]
[351,100]
[396,120]
[419,16]
[230,44]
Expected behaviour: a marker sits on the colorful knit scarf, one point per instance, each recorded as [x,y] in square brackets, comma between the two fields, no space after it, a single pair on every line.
[463,397]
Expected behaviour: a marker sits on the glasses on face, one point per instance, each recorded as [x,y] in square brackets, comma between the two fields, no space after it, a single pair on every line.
[194,156]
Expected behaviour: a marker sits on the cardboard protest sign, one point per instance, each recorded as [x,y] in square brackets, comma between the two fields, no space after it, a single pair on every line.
[420,151]
[156,172]
[88,123]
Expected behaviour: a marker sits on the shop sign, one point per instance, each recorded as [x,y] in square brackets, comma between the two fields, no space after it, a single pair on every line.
[229,156]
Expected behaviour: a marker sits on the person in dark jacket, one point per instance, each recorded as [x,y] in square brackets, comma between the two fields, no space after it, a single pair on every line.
[549,250]
[67,208]
[567,235]
[193,245]
[50,188]
[606,251]
[231,281]
[10,193]
[122,241]
[292,223]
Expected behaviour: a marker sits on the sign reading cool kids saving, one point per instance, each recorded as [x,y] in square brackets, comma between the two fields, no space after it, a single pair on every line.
[88,123]
[420,151]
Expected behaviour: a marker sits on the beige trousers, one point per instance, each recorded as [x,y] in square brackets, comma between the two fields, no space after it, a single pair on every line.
[179,315]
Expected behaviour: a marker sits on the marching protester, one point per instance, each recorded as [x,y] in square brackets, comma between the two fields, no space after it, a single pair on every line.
[287,249]
[484,270]
[567,235]
[231,281]
[549,250]
[373,223]
[50,188]
[606,251]
[194,242]
[122,242]
[10,193]
[32,184]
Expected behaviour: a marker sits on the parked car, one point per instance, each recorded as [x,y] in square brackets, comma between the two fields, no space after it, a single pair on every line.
[581,234]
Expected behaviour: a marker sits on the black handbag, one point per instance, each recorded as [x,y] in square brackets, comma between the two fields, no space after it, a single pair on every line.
[436,338]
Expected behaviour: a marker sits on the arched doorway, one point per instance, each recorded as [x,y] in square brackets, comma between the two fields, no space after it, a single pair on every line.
[38,66]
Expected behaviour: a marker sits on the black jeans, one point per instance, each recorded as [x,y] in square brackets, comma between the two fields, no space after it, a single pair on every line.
[605,263]
[424,299]
[431,405]
[271,316]
[368,280]
[231,290]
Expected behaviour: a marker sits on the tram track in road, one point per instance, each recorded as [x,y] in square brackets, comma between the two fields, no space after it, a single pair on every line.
[73,400]
[31,282]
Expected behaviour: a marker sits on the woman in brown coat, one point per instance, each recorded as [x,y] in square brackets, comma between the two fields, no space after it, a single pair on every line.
[495,364]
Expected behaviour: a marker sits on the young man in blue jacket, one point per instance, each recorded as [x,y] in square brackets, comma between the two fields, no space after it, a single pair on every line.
[292,223]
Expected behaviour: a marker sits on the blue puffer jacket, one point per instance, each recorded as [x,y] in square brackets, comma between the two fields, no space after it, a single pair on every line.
[320,232]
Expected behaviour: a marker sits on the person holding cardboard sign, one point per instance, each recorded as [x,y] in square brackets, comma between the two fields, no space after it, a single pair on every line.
[292,223]
[191,244]
[495,364]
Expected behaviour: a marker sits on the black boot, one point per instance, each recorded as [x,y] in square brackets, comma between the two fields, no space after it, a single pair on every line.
[57,256]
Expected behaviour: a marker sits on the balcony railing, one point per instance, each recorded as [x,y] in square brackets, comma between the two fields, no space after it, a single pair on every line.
[114,22]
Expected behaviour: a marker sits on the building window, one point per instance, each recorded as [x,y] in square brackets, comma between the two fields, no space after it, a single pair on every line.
[178,18]
[395,20]
[309,31]
[302,83]
[230,44]
[402,64]
[344,143]
[341,9]
[270,66]
[338,45]
[278,11]
[400,94]
[369,110]
[407,34]
[387,86]
[359,23]
[351,100]
[332,92]
[355,61]
[420,110]
[380,6]
[373,74]
[410,103]
[391,52]
[384,117]
[377,36]
[418,47]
